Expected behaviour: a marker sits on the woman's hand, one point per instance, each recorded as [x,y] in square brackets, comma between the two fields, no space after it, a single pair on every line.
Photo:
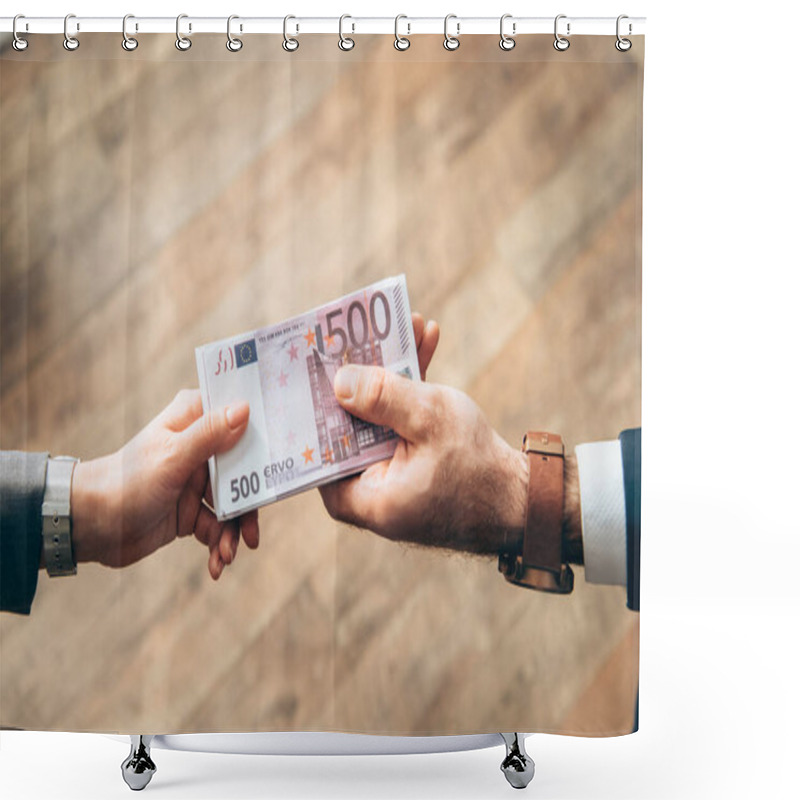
[127,505]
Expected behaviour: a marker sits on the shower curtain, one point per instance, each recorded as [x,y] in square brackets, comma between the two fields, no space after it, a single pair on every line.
[153,201]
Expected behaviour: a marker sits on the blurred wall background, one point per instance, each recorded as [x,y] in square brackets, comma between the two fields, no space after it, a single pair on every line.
[153,201]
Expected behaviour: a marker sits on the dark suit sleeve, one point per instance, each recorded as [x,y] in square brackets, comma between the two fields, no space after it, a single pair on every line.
[631,443]
[22,478]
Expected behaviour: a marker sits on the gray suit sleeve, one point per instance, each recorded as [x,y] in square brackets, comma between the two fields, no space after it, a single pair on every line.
[22,479]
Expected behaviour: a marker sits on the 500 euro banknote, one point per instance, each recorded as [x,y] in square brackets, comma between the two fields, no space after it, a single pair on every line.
[298,436]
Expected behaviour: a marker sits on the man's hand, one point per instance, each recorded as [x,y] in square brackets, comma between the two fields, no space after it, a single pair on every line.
[127,505]
[452,482]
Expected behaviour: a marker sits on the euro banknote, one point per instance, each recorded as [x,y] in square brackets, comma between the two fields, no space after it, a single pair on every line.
[298,435]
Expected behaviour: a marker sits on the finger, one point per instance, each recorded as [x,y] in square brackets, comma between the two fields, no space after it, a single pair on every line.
[418,323]
[208,495]
[214,535]
[248,526]
[229,541]
[185,408]
[356,500]
[383,398]
[190,500]
[215,564]
[214,432]
[339,502]
[427,347]
[207,528]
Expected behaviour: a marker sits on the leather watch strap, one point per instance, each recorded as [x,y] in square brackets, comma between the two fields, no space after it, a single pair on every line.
[541,544]
[540,565]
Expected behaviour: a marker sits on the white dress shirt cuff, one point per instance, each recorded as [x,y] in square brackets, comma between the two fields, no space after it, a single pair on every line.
[602,490]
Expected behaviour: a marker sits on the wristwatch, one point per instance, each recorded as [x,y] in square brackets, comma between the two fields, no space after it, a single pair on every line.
[540,565]
[56,520]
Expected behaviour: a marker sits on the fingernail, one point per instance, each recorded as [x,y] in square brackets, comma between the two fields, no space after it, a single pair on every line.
[346,382]
[236,414]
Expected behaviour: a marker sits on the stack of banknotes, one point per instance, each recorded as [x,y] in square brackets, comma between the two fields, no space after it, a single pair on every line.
[298,436]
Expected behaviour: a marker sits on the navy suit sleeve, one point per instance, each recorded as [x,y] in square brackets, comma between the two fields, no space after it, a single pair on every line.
[631,443]
[22,479]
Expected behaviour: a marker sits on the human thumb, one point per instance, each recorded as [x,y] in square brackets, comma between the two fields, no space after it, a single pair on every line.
[381,397]
[214,432]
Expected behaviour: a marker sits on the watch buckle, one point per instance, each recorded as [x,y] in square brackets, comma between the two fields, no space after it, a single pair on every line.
[544,580]
[543,443]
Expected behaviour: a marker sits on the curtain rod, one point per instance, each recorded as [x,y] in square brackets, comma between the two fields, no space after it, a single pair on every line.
[407,26]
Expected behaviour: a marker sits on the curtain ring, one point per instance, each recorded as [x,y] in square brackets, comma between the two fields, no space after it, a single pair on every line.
[400,42]
[18,43]
[345,42]
[70,42]
[451,42]
[129,43]
[507,42]
[181,41]
[289,44]
[623,45]
[560,43]
[233,44]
